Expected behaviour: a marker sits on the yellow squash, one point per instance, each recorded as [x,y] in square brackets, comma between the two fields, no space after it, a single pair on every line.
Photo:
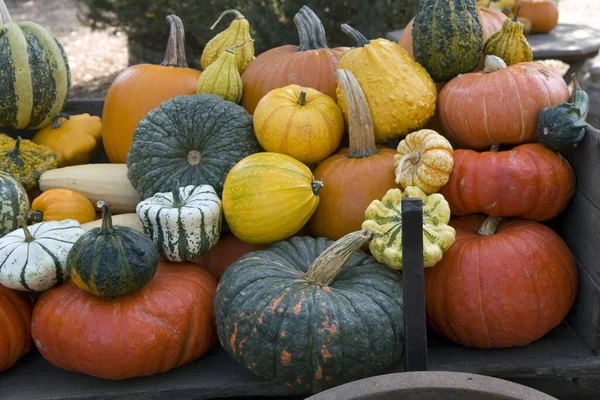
[424,160]
[60,204]
[510,43]
[26,161]
[400,93]
[300,122]
[268,197]
[74,138]
[4,138]
[237,32]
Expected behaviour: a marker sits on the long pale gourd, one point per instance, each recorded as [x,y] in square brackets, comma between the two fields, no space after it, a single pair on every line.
[97,182]
[130,220]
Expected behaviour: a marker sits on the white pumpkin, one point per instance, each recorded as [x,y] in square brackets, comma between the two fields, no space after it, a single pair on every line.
[183,224]
[34,258]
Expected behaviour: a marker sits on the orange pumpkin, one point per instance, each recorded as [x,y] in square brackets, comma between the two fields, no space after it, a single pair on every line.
[142,88]
[15,334]
[543,14]
[59,204]
[167,323]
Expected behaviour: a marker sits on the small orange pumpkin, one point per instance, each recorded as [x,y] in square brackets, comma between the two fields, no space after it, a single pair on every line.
[543,14]
[59,204]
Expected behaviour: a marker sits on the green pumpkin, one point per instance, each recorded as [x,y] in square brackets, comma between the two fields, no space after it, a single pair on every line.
[311,313]
[13,203]
[447,38]
[112,260]
[35,77]
[194,139]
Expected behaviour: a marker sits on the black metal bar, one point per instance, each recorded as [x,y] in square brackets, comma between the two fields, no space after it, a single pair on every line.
[415,328]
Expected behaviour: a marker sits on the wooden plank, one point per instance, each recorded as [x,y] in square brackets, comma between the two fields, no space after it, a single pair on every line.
[585,314]
[585,161]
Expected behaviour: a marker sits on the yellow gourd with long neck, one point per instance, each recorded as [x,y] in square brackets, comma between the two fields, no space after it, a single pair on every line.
[510,43]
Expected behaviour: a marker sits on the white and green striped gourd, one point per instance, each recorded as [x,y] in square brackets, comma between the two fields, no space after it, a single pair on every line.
[13,203]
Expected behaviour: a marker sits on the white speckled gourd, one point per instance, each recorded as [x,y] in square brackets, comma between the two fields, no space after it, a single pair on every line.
[34,258]
[183,224]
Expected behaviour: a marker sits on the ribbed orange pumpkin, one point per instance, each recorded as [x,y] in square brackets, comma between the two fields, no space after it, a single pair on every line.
[15,333]
[60,204]
[543,14]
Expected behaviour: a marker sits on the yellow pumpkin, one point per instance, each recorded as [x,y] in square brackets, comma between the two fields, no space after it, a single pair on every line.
[60,204]
[300,122]
[424,160]
[399,91]
[268,197]
[74,138]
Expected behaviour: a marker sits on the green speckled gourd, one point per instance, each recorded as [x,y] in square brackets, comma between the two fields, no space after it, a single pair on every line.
[112,260]
[447,37]
[194,139]
[510,43]
[384,219]
[27,161]
[312,313]
[14,203]
[35,77]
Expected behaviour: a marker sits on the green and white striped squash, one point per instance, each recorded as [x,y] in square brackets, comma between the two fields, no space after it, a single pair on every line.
[183,224]
[34,258]
[35,76]
[13,203]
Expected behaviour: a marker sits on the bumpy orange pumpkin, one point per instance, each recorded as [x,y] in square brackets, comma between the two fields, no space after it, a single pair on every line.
[15,333]
[59,204]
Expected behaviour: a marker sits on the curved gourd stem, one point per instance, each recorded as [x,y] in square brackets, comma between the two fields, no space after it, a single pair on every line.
[238,15]
[489,226]
[56,122]
[232,48]
[107,224]
[575,81]
[15,151]
[493,63]
[5,17]
[360,123]
[316,186]
[412,157]
[302,97]
[28,236]
[494,148]
[175,54]
[330,263]
[177,202]
[311,33]
[360,39]
[516,17]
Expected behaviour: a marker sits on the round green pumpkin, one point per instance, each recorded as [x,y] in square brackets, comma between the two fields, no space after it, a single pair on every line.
[194,139]
[339,320]
[112,260]
[13,203]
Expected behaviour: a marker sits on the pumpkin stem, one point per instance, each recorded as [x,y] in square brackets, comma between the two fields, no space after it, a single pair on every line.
[238,15]
[316,186]
[575,81]
[107,224]
[330,263]
[311,33]
[489,226]
[175,54]
[17,148]
[177,202]
[516,17]
[494,148]
[412,157]
[360,124]
[493,63]
[28,236]
[56,122]
[360,39]
[302,97]
[235,46]
[5,17]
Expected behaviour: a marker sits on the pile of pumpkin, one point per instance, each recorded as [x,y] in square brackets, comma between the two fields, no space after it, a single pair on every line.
[299,222]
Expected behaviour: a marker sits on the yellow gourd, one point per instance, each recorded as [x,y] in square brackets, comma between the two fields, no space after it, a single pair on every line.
[74,138]
[61,204]
[4,138]
[26,161]
[510,43]
[237,32]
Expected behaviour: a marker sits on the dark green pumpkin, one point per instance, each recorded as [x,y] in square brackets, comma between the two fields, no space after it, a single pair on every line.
[447,38]
[338,321]
[194,139]
[35,77]
[13,203]
[112,260]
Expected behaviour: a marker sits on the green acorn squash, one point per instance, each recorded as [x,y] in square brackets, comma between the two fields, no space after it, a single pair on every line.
[194,139]
[312,313]
[27,161]
[14,202]
[112,260]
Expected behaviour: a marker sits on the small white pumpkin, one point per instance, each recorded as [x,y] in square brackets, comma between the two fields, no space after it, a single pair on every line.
[34,258]
[183,224]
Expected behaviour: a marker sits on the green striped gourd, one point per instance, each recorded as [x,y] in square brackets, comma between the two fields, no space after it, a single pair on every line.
[35,258]
[183,224]
[35,77]
[447,38]
[13,203]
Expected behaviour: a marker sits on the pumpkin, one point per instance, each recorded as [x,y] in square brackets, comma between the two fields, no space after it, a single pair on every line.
[130,220]
[15,335]
[424,160]
[166,324]
[300,122]
[310,64]
[36,78]
[400,93]
[183,224]
[74,140]
[202,137]
[141,88]
[543,14]
[529,181]
[237,32]
[106,182]
[60,204]
[14,203]
[354,176]
[269,197]
[309,312]
[510,43]
[500,105]
[384,219]
[500,285]
[35,258]
[26,161]
[112,260]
